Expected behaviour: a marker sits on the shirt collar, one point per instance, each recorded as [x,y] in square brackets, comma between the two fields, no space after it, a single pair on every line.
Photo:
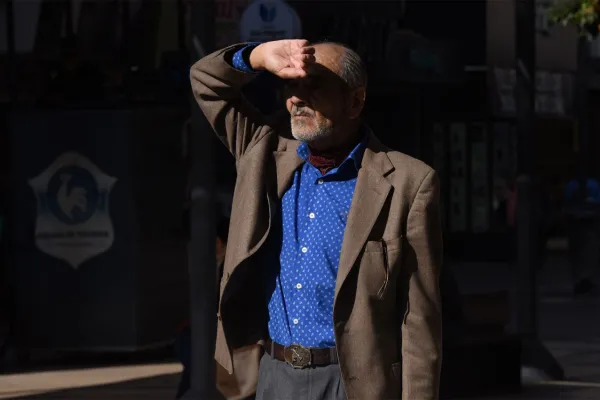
[356,155]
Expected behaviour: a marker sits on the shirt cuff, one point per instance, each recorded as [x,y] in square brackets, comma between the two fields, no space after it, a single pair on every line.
[241,58]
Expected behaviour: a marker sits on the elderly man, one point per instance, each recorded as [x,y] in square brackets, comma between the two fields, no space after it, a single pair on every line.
[335,244]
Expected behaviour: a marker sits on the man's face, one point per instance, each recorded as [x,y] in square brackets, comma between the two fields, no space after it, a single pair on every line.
[319,102]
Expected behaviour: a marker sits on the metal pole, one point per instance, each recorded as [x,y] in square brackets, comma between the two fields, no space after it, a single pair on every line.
[125,24]
[201,253]
[582,106]
[7,242]
[69,25]
[534,355]
[11,51]
[181,31]
[526,223]
[525,85]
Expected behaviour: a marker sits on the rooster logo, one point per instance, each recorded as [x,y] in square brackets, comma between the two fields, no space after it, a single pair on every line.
[73,195]
[67,201]
[73,217]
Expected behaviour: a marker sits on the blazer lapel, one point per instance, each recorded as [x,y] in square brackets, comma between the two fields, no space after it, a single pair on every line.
[370,194]
[286,162]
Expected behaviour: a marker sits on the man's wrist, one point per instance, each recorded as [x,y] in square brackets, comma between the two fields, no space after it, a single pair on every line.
[256,58]
[241,59]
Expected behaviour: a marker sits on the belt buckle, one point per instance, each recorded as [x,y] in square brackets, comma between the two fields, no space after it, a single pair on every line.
[297,356]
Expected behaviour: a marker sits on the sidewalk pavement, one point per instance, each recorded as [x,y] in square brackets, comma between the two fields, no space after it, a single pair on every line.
[562,318]
[133,382]
[158,382]
[554,391]
[569,327]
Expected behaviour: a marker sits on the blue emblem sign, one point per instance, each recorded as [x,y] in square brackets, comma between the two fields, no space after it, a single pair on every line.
[267,12]
[73,220]
[266,20]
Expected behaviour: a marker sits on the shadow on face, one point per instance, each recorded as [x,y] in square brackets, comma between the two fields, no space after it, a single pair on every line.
[322,101]
[322,92]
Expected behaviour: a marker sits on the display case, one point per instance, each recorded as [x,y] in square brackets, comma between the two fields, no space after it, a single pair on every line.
[99,258]
[473,158]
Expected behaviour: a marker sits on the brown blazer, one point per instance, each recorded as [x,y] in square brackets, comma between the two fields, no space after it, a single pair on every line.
[387,311]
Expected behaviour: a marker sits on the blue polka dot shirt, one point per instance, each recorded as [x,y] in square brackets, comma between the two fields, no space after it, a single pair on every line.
[314,211]
[240,58]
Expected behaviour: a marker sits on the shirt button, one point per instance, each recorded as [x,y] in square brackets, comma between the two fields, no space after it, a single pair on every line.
[298,286]
[320,181]
[311,215]
[295,321]
[304,249]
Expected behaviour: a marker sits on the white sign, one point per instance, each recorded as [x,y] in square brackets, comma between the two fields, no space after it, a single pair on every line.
[73,221]
[266,20]
[551,91]
[542,17]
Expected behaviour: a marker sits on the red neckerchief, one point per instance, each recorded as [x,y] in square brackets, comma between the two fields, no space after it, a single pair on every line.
[325,161]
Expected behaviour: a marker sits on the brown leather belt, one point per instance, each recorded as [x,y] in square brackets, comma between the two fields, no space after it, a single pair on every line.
[301,357]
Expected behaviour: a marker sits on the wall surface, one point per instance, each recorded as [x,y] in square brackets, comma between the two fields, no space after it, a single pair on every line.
[556,51]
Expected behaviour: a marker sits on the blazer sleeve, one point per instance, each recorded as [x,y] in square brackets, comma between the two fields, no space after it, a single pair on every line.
[217,87]
[422,326]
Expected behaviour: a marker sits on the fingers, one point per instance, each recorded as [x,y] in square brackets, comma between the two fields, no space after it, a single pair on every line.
[301,61]
[304,53]
[306,58]
[303,56]
[300,43]
[307,50]
[302,47]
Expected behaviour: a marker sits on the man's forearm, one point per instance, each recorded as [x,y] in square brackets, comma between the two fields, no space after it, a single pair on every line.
[217,85]
[257,60]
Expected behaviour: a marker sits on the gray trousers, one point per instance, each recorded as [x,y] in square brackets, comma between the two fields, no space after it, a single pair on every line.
[279,381]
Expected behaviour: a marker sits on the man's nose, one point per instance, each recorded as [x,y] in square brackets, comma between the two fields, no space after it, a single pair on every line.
[297,101]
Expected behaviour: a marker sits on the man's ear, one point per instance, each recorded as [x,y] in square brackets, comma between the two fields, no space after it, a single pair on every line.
[357,102]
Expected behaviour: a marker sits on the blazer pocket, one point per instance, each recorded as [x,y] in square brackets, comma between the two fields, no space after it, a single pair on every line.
[386,252]
[397,370]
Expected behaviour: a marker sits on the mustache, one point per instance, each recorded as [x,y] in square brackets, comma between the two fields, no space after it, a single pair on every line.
[299,112]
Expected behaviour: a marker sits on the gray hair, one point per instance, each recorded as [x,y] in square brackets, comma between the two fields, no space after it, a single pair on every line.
[353,70]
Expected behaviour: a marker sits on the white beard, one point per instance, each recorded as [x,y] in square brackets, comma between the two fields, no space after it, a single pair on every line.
[302,133]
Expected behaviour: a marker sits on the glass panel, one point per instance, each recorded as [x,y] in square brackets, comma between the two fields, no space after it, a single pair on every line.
[501,150]
[439,150]
[439,162]
[480,204]
[512,151]
[458,183]
[504,162]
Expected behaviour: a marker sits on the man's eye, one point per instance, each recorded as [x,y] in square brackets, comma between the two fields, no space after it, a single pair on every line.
[306,84]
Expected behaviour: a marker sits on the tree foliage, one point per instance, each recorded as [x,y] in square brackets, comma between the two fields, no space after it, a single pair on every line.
[583,14]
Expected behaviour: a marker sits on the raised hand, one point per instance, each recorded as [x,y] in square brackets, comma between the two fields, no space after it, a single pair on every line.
[288,59]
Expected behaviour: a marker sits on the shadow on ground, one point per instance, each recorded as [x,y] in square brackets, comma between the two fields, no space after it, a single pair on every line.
[53,361]
[555,392]
[163,388]
[155,388]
